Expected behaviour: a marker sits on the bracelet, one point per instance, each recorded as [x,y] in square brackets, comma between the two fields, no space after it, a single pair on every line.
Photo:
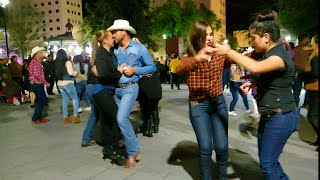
[227,51]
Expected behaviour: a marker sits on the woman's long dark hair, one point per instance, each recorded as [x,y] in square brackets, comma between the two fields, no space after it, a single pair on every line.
[60,64]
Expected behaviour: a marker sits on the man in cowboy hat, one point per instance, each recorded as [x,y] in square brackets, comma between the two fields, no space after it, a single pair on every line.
[37,83]
[138,62]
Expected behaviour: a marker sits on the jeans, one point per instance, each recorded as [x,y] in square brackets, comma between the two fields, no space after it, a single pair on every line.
[209,120]
[88,131]
[273,133]
[235,91]
[41,102]
[125,98]
[296,87]
[225,77]
[67,91]
[81,92]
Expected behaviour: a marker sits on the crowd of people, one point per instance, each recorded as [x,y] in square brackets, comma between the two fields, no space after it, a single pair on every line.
[122,71]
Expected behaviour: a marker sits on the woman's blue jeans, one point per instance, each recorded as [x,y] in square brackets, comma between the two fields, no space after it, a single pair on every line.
[67,91]
[81,92]
[273,133]
[235,91]
[209,120]
[88,131]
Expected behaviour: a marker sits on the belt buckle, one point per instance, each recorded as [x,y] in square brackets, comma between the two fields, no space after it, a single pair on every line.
[194,103]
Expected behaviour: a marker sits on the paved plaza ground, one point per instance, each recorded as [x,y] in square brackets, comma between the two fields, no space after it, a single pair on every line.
[52,151]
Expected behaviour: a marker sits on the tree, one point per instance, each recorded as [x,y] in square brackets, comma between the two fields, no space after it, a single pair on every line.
[102,13]
[175,19]
[299,16]
[24,25]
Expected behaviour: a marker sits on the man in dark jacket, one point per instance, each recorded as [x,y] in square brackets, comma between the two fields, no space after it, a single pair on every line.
[49,73]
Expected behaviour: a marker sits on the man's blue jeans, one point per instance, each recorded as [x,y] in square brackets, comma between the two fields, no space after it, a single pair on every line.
[125,98]
[41,102]
[273,133]
[67,91]
[209,120]
[88,131]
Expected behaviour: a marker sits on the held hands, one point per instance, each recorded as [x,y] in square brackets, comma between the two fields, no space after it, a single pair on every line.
[221,49]
[48,85]
[129,71]
[245,87]
[120,68]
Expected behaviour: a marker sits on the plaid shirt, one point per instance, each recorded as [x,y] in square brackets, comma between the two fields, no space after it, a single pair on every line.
[204,79]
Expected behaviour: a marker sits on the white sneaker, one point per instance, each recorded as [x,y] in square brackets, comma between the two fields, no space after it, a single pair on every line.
[232,113]
[87,109]
[80,110]
[248,111]
[16,101]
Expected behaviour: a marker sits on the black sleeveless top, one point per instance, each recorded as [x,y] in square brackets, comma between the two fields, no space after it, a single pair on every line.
[275,87]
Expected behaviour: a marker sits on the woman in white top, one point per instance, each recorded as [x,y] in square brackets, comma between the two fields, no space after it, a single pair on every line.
[66,76]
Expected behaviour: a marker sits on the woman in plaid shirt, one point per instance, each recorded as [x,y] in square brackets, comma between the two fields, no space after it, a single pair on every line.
[207,108]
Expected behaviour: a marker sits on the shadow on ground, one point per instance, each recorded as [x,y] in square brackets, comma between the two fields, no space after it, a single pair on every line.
[306,131]
[186,154]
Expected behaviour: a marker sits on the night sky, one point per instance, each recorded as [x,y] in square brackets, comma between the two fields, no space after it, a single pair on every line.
[240,14]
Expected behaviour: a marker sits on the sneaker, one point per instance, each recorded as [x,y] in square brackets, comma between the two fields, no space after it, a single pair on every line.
[16,101]
[232,113]
[248,111]
[80,110]
[76,119]
[90,143]
[87,109]
[66,120]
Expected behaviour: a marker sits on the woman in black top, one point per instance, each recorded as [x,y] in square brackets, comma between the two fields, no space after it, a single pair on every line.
[103,92]
[275,72]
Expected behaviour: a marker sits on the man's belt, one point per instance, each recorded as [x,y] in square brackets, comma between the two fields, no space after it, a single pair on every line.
[35,82]
[125,84]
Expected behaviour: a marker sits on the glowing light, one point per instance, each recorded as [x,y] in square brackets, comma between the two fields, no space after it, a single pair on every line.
[55,49]
[164,36]
[225,41]
[288,38]
[88,50]
[70,48]
[3,3]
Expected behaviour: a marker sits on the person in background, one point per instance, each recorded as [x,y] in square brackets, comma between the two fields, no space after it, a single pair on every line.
[275,72]
[37,83]
[301,55]
[312,87]
[174,77]
[150,93]
[16,70]
[49,72]
[236,72]
[207,107]
[81,68]
[66,77]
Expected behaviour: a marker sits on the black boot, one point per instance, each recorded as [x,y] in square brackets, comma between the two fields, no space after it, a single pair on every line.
[156,120]
[148,132]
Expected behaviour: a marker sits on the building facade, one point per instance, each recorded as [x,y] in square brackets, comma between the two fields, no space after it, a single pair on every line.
[57,13]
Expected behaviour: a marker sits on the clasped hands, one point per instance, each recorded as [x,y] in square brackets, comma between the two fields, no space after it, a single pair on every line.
[127,70]
[205,53]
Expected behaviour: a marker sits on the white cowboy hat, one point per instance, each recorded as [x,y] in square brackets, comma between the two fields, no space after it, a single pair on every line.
[121,24]
[36,49]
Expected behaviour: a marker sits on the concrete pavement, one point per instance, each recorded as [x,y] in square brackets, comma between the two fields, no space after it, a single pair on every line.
[52,150]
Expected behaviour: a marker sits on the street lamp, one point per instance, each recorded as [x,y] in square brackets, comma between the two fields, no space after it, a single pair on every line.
[3,4]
